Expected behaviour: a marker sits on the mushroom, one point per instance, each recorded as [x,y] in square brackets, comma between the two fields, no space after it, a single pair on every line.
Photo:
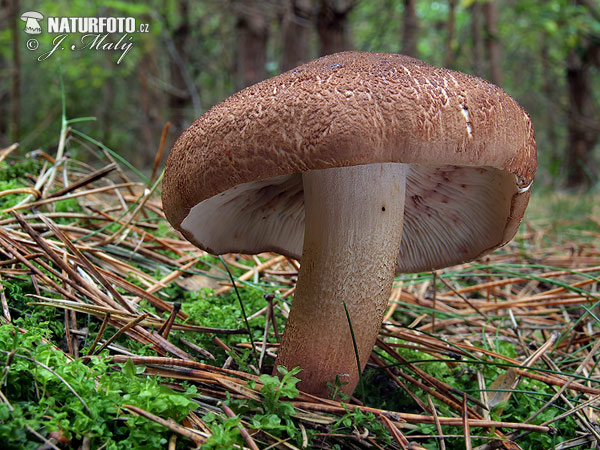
[362,165]
[32,22]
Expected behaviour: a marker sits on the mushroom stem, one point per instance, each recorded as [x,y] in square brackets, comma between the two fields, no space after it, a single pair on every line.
[353,229]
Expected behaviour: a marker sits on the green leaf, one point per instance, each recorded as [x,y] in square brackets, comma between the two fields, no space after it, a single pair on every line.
[129,369]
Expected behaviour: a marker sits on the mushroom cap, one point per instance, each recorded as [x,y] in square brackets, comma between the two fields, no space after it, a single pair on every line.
[233,179]
[31,15]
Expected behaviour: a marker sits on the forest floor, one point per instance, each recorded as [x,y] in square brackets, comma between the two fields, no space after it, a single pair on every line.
[118,333]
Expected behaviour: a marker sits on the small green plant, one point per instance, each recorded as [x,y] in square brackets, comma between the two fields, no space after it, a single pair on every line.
[274,388]
[224,431]
[359,420]
[277,414]
[335,389]
[272,414]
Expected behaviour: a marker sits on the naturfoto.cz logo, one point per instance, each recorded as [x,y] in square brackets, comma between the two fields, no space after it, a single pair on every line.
[84,33]
[32,22]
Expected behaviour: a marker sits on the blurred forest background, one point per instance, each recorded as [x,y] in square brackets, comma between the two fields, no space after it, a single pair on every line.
[545,53]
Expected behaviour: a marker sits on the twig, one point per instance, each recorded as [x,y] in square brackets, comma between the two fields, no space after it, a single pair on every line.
[418,418]
[5,309]
[161,146]
[95,176]
[246,276]
[247,438]
[466,427]
[165,329]
[438,425]
[119,332]
[100,333]
[170,424]
[395,432]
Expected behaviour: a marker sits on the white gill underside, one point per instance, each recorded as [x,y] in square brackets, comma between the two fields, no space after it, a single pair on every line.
[452,214]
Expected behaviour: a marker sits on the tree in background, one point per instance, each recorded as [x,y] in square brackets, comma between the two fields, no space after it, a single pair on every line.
[14,126]
[411,29]
[492,42]
[152,105]
[450,29]
[332,25]
[4,90]
[252,30]
[584,115]
[296,25]
[478,62]
[179,93]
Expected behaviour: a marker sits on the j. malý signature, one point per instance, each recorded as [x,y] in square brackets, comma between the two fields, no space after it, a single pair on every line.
[96,42]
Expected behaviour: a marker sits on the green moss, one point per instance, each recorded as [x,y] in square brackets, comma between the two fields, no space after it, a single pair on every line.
[8,201]
[43,399]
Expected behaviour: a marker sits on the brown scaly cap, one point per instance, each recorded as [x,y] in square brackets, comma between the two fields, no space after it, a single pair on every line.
[356,108]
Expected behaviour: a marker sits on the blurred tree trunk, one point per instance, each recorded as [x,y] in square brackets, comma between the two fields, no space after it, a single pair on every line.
[295,30]
[583,127]
[332,25]
[252,30]
[146,116]
[15,88]
[106,106]
[410,30]
[492,42]
[151,105]
[548,88]
[4,88]
[478,65]
[449,55]
[179,94]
